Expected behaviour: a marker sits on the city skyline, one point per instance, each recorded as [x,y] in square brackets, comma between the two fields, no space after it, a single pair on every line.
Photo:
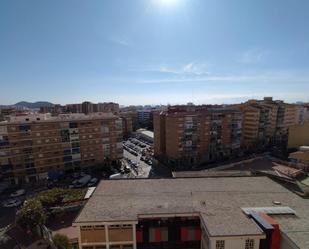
[153,52]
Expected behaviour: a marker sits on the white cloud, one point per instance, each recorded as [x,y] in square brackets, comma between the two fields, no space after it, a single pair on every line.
[263,77]
[191,68]
[120,41]
[253,56]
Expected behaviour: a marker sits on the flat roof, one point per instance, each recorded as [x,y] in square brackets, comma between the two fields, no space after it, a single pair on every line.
[218,201]
[44,118]
[209,173]
[146,133]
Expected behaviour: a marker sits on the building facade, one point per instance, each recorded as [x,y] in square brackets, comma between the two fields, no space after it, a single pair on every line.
[88,107]
[185,137]
[31,147]
[298,136]
[266,121]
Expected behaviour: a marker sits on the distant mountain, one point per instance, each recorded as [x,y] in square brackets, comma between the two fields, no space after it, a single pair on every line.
[34,105]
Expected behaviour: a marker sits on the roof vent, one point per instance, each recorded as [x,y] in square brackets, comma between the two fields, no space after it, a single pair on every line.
[277,202]
[203,203]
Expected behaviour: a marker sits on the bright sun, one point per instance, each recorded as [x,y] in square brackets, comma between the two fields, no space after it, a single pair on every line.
[166,3]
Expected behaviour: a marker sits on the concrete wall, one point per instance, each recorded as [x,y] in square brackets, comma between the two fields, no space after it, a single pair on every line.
[234,242]
[286,243]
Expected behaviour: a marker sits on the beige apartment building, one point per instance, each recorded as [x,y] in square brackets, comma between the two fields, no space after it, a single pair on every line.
[298,136]
[267,121]
[193,213]
[33,146]
[185,137]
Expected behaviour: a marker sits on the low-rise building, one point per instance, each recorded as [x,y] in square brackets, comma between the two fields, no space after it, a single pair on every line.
[33,146]
[207,213]
[145,135]
[300,156]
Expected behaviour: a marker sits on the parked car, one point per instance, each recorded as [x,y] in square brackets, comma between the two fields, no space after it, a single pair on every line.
[12,203]
[18,193]
[76,175]
[83,181]
[92,182]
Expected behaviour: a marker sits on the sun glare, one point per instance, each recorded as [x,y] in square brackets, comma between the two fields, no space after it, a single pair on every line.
[166,3]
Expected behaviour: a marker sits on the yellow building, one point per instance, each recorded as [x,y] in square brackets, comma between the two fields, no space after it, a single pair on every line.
[298,135]
[300,157]
[266,121]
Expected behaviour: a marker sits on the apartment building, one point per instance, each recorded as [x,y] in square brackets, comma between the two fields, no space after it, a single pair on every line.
[193,213]
[130,115]
[34,146]
[187,136]
[144,115]
[127,126]
[87,107]
[259,123]
[267,121]
[298,135]
[108,107]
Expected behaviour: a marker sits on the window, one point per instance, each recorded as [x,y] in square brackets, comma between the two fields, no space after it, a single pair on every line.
[249,244]
[73,125]
[100,227]
[127,247]
[220,244]
[105,139]
[100,247]
[86,228]
[104,129]
[115,247]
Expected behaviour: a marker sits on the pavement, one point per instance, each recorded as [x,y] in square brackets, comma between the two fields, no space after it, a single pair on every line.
[142,170]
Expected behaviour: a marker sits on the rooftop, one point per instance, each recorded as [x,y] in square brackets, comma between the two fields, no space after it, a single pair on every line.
[146,132]
[218,201]
[38,118]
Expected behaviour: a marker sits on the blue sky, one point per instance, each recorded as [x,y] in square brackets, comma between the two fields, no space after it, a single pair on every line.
[153,51]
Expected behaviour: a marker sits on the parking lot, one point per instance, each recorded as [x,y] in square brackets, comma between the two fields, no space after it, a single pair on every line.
[137,157]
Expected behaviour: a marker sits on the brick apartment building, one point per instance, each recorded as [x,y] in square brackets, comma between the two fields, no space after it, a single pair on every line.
[85,107]
[35,145]
[193,213]
[88,107]
[187,136]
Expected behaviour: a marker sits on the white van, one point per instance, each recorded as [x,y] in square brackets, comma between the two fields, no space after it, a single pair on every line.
[117,176]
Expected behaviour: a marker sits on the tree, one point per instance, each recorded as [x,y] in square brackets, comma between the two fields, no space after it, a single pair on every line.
[61,241]
[51,197]
[31,215]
